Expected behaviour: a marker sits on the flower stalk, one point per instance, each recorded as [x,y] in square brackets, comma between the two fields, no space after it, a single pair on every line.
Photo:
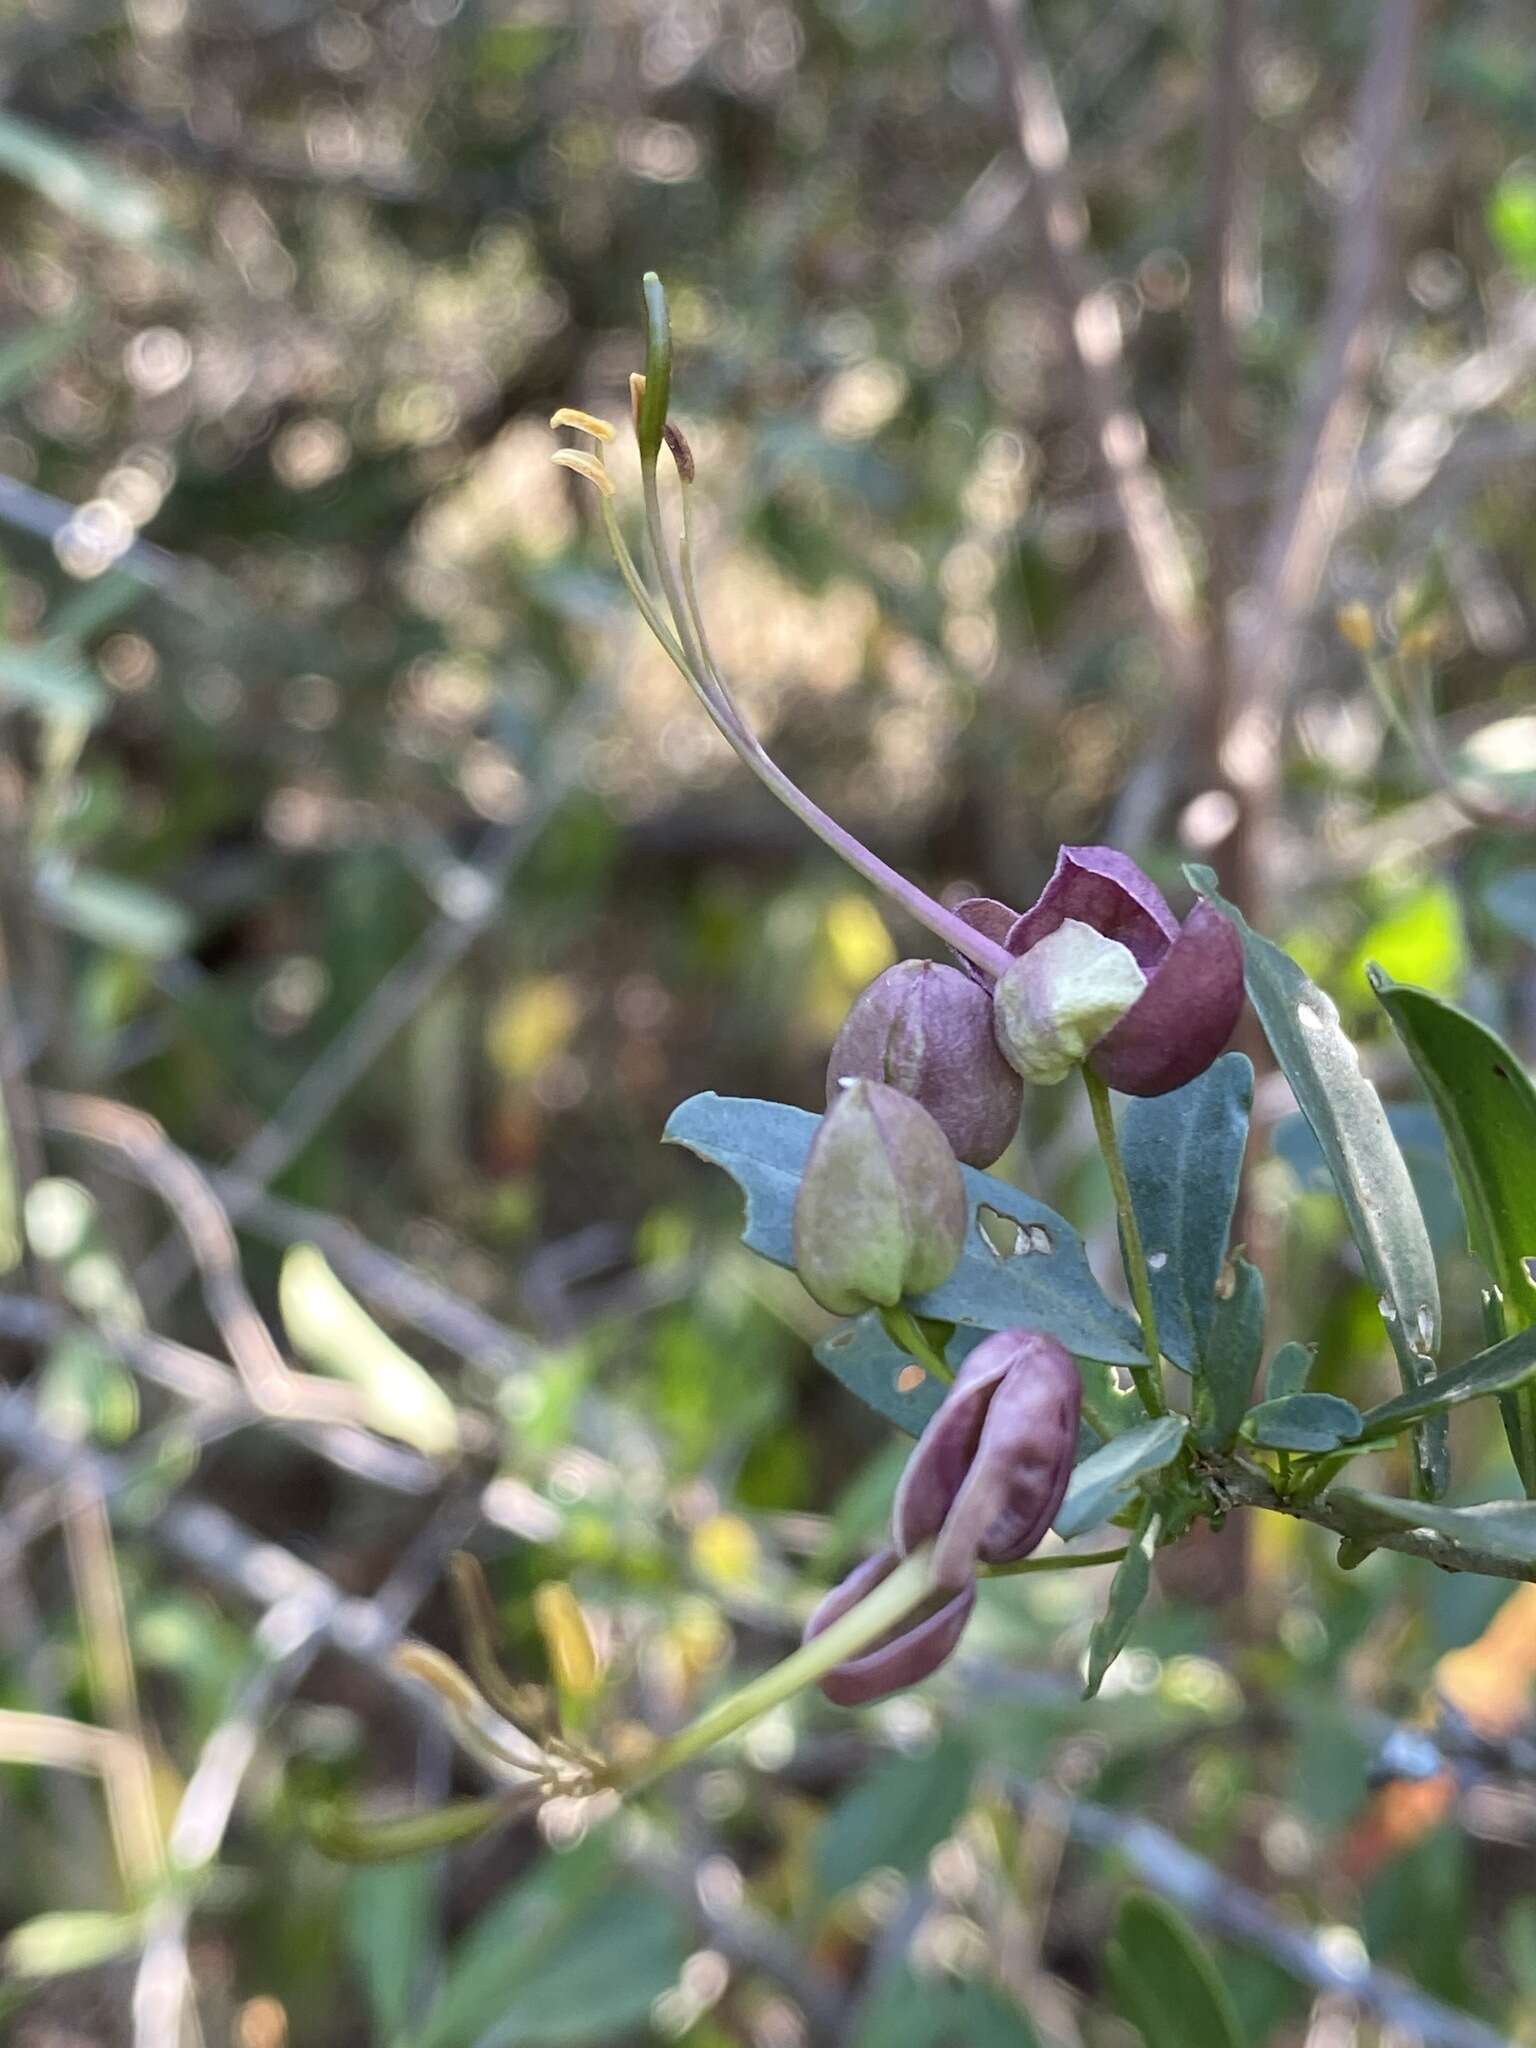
[1148,1378]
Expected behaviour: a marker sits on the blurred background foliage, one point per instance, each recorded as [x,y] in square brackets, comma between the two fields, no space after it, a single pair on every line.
[354,831]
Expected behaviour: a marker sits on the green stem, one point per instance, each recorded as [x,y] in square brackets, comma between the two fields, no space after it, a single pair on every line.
[903,1328]
[874,1616]
[1072,1561]
[1148,1378]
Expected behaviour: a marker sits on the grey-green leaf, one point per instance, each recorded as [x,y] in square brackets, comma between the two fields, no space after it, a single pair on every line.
[1041,1278]
[1504,1527]
[1127,1590]
[894,1817]
[1184,1157]
[1232,1348]
[881,1375]
[1104,1481]
[1304,1422]
[1351,1126]
[1289,1370]
[1486,1104]
[1499,1370]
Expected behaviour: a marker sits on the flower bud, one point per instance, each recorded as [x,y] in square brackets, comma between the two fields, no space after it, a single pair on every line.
[989,1471]
[881,1210]
[1192,995]
[1054,1005]
[911,1652]
[927,1030]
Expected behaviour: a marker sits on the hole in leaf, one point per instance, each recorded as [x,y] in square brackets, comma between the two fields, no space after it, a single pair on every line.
[1156,1261]
[841,1341]
[1387,1311]
[1529,1263]
[1006,1238]
[909,1379]
[1308,1018]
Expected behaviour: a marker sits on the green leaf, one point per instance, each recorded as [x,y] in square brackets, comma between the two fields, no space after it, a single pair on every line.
[863,1357]
[1347,1117]
[939,2012]
[1507,1527]
[1127,1590]
[1304,1422]
[51,678]
[54,1943]
[1183,1158]
[390,1921]
[1487,1108]
[1042,1278]
[1289,1371]
[1512,218]
[574,1954]
[1105,1480]
[84,186]
[1165,1980]
[112,912]
[1232,1351]
[894,1818]
[1499,1370]
[347,1836]
[336,1334]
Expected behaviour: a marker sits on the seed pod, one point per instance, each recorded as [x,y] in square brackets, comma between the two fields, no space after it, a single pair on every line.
[912,1651]
[926,1030]
[881,1210]
[989,1471]
[1193,992]
[1054,1005]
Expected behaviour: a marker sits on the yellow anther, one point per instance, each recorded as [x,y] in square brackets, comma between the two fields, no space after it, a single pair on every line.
[567,1639]
[1354,624]
[583,422]
[589,466]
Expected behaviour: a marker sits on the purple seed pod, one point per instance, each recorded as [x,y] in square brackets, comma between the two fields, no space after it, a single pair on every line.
[1194,971]
[926,1030]
[989,1471]
[911,1652]
[881,1210]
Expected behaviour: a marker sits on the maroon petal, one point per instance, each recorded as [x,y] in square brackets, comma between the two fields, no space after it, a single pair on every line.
[1021,1468]
[988,1473]
[907,1655]
[993,920]
[1107,890]
[1190,1010]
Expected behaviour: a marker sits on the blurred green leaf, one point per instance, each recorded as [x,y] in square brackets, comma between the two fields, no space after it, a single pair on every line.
[1232,1351]
[1165,1980]
[85,1393]
[1512,217]
[940,2012]
[1421,939]
[333,1332]
[894,1817]
[54,1943]
[1346,1115]
[1105,1480]
[52,679]
[29,356]
[87,187]
[1127,1590]
[390,1917]
[1487,1106]
[347,1836]
[1303,1422]
[113,912]
[1043,1280]
[573,1954]
[1184,1157]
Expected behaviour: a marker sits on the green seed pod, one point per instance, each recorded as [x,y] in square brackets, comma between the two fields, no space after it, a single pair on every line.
[1055,1003]
[881,1211]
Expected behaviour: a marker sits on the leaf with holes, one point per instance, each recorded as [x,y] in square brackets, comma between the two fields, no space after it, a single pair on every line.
[1350,1124]
[1105,1480]
[1040,1277]
[1183,1158]
[1487,1107]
